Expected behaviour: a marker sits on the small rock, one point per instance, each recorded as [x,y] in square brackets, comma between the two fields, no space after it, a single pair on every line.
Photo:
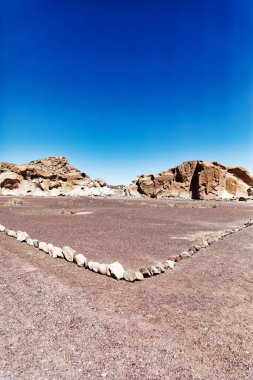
[185,255]
[43,246]
[50,249]
[36,243]
[54,252]
[22,236]
[116,270]
[204,243]
[57,252]
[171,264]
[80,260]
[29,241]
[102,269]
[95,266]
[68,253]
[139,276]
[2,228]
[145,272]
[130,276]
[154,270]
[161,267]
[12,233]
[177,258]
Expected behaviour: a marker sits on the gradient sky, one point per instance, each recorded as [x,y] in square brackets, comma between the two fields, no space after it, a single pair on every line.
[127,87]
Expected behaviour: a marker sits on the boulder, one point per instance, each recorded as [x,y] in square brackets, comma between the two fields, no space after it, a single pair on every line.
[80,260]
[51,176]
[116,270]
[68,253]
[195,180]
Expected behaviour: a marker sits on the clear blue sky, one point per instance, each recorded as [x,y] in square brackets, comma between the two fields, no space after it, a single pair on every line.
[127,87]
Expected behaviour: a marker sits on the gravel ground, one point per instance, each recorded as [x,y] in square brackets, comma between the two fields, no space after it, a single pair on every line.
[58,321]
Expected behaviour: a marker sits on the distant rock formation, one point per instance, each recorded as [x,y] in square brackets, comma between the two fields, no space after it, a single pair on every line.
[195,180]
[50,176]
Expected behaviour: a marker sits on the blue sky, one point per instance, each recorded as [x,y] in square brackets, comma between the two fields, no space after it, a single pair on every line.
[127,87]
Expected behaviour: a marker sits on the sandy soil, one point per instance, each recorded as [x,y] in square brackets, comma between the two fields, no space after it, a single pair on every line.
[58,321]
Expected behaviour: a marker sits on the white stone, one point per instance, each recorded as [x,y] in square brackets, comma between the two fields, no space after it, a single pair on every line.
[90,264]
[50,246]
[80,260]
[171,264]
[139,276]
[2,228]
[43,246]
[29,242]
[12,233]
[68,253]
[22,236]
[57,252]
[102,269]
[95,266]
[116,270]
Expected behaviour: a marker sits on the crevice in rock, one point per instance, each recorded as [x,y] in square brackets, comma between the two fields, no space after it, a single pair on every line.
[194,186]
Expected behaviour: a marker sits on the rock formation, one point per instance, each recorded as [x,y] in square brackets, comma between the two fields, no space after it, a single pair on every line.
[49,176]
[195,180]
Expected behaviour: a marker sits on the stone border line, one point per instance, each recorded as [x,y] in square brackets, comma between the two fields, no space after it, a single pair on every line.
[115,269]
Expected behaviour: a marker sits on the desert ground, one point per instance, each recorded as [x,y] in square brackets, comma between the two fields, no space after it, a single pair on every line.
[59,321]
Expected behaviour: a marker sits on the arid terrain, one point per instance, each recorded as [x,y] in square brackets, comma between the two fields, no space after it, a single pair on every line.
[58,321]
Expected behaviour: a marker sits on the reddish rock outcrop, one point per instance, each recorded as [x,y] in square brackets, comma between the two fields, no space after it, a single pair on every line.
[195,180]
[48,176]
